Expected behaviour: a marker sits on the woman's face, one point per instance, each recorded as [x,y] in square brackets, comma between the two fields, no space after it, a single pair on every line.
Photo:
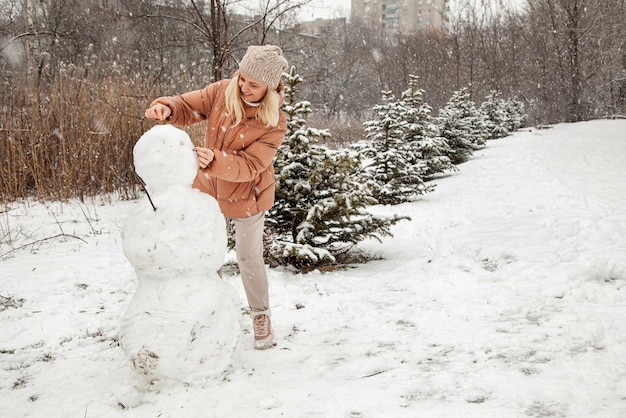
[251,90]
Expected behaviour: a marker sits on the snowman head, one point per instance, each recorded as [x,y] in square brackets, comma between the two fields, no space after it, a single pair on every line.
[164,157]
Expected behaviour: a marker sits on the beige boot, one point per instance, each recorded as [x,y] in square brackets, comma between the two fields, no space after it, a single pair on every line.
[263,337]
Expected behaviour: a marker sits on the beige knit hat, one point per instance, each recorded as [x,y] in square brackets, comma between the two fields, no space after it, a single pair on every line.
[264,63]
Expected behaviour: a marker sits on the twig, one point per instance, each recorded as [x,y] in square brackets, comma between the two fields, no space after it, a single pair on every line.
[58,223]
[143,186]
[375,373]
[93,231]
[40,241]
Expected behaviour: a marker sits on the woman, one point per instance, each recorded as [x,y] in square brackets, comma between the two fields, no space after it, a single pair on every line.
[245,126]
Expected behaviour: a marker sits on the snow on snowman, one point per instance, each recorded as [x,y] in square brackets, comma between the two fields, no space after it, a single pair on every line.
[183,323]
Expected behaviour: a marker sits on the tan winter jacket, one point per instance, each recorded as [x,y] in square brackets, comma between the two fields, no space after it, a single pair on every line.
[241,177]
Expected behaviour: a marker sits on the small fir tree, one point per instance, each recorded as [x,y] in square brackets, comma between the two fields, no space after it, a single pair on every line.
[463,126]
[422,133]
[393,168]
[502,116]
[319,214]
[496,115]
[516,114]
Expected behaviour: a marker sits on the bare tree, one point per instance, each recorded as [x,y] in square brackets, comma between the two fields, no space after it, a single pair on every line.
[578,43]
[215,26]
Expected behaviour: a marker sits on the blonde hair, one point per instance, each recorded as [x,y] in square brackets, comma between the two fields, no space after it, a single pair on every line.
[268,112]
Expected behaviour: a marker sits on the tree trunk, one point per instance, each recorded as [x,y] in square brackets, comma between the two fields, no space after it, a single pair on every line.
[573,24]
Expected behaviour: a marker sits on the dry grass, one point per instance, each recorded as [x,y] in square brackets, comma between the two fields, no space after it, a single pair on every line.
[70,134]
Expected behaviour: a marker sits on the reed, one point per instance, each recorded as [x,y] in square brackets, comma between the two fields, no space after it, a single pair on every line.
[69,133]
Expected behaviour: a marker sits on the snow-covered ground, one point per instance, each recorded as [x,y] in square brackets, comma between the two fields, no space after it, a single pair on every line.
[504,296]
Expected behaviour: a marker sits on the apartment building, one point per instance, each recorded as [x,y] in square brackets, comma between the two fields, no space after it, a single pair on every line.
[400,16]
[322,27]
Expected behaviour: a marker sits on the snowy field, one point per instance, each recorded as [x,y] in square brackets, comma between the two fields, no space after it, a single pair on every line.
[505,296]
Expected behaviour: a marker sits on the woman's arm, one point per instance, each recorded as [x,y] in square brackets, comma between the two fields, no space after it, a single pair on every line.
[185,109]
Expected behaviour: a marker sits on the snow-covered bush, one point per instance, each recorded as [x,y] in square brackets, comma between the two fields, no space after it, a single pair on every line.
[463,126]
[502,116]
[516,114]
[319,214]
[403,149]
[392,168]
[496,115]
[422,133]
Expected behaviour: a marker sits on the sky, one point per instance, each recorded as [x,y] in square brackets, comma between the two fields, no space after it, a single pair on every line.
[324,9]
[503,296]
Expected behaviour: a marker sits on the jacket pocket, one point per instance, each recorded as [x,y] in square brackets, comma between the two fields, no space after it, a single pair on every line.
[235,192]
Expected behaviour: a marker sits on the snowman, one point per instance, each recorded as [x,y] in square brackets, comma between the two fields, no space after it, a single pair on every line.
[183,322]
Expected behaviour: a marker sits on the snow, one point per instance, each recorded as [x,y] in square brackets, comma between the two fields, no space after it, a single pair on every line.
[11,50]
[504,296]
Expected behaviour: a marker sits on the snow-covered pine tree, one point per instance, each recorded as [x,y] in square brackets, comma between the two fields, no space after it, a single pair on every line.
[516,114]
[463,126]
[496,115]
[319,214]
[422,133]
[393,169]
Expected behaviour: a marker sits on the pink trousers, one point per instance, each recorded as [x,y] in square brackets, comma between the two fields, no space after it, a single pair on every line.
[249,249]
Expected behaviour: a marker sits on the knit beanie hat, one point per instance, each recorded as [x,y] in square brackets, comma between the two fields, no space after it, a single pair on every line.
[264,63]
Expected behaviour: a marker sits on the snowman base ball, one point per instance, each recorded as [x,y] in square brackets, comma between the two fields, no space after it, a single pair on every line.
[184,322]
[169,335]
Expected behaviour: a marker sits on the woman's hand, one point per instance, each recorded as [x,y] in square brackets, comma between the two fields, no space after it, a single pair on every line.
[205,156]
[159,112]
